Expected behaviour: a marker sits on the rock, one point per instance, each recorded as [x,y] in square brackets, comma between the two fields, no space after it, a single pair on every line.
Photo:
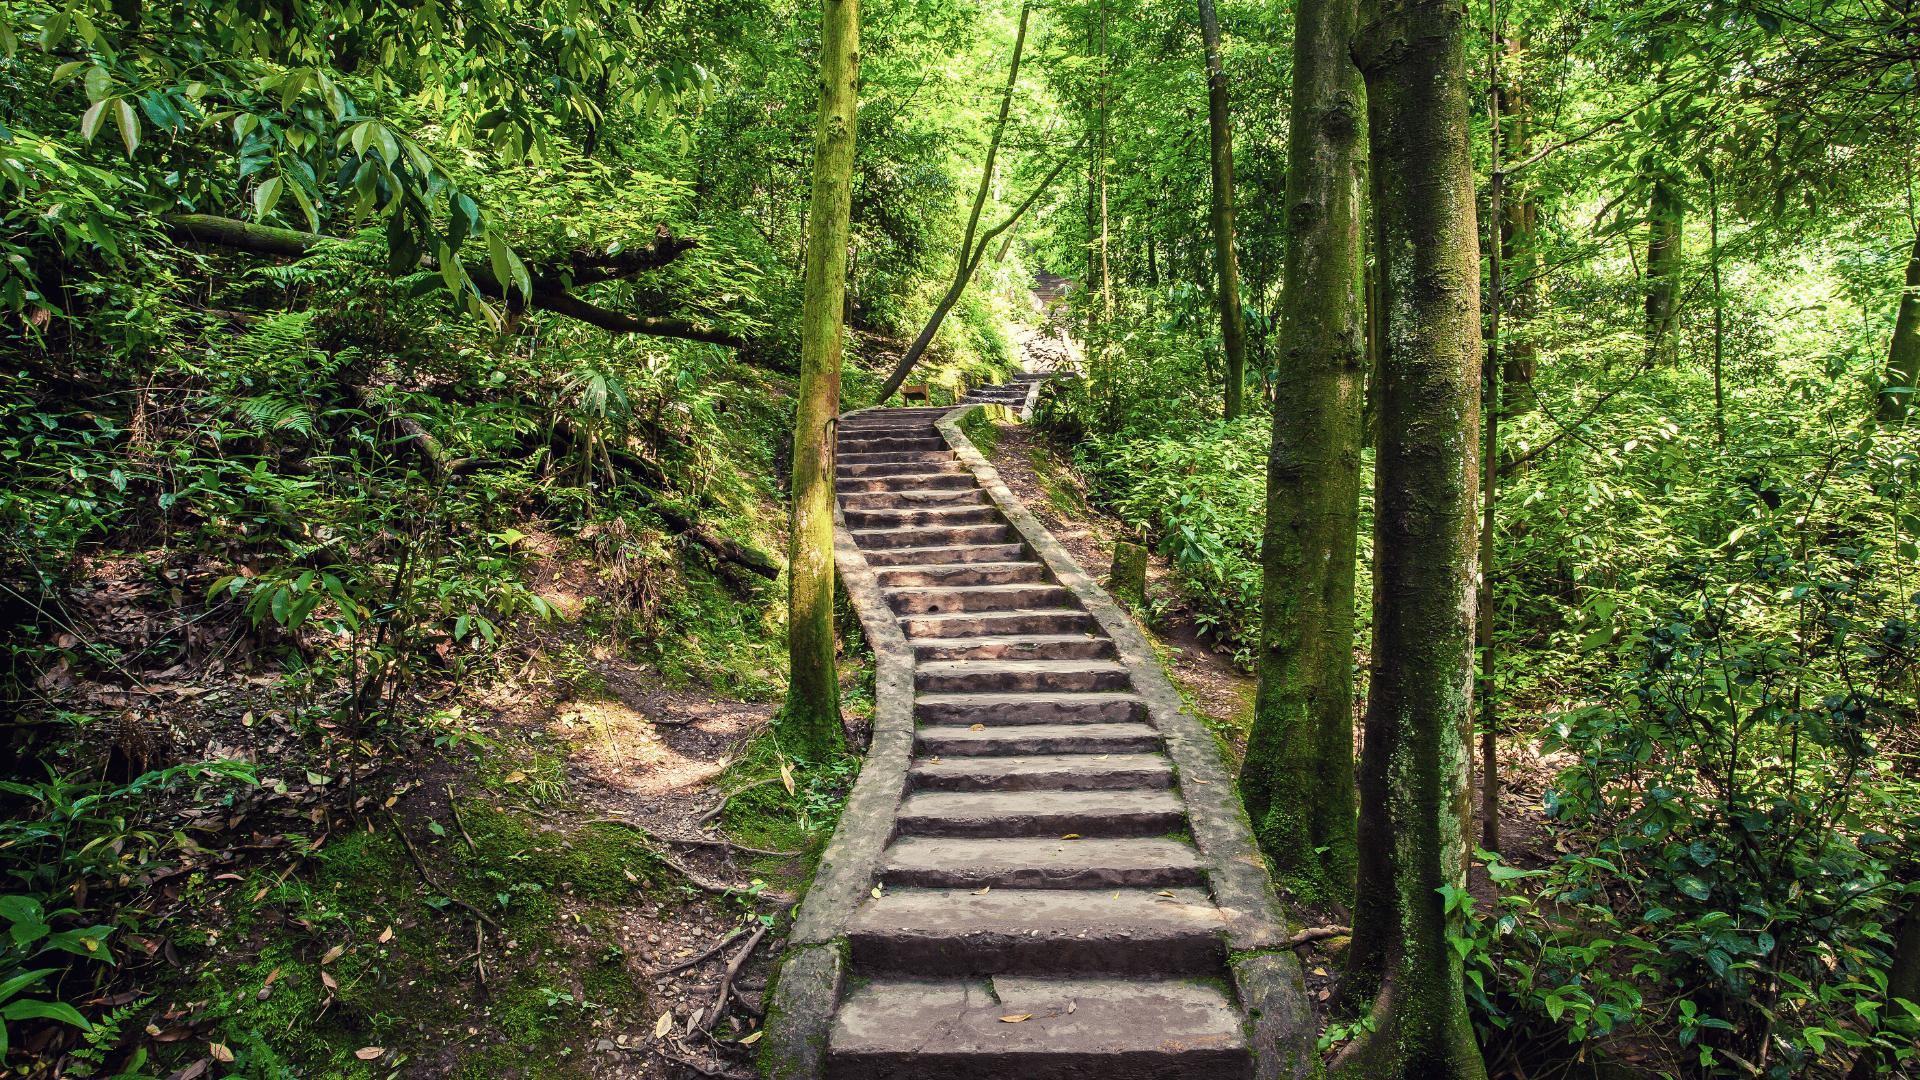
[1128,578]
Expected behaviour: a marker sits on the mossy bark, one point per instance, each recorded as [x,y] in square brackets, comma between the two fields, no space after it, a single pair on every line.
[1666,220]
[809,724]
[1297,779]
[1414,779]
[1903,356]
[1233,324]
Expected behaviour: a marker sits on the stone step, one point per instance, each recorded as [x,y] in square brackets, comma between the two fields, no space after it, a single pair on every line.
[1122,1029]
[923,556]
[935,536]
[951,574]
[933,601]
[863,443]
[889,469]
[979,623]
[980,513]
[1007,709]
[846,485]
[1019,676]
[1043,772]
[900,500]
[934,411]
[899,457]
[959,863]
[1037,932]
[1015,647]
[1024,740]
[1128,812]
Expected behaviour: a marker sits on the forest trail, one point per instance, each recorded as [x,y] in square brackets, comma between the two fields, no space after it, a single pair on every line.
[1043,906]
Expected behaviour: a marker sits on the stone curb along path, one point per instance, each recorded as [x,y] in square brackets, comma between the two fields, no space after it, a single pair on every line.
[1043,869]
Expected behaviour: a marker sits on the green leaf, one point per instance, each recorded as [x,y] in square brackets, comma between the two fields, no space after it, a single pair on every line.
[21,982]
[266,196]
[99,83]
[91,119]
[45,1010]
[129,123]
[1692,886]
[306,206]
[26,933]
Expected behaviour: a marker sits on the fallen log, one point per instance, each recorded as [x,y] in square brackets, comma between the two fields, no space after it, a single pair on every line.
[549,292]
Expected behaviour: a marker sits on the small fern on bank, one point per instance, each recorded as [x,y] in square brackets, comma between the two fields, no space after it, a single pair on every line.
[277,362]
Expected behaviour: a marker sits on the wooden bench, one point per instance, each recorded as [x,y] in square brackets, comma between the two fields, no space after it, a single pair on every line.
[915,393]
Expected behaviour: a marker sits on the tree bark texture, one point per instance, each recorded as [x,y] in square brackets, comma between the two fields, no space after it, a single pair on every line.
[809,723]
[1666,218]
[1414,779]
[1903,356]
[1233,325]
[1297,779]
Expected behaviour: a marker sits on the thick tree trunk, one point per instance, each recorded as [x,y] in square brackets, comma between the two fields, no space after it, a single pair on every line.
[1297,781]
[1903,357]
[1903,981]
[1233,326]
[1414,779]
[1666,218]
[809,724]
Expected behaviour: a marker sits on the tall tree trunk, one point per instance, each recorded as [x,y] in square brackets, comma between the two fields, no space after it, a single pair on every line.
[1719,306]
[1520,216]
[1490,454]
[809,723]
[1903,357]
[1106,270]
[1233,326]
[1297,780]
[1666,218]
[1414,784]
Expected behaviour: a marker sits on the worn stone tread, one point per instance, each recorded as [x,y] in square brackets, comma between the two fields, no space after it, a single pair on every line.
[935,575]
[992,709]
[1036,863]
[1020,676]
[1118,1029]
[952,553]
[978,623]
[1015,647]
[1125,812]
[1038,931]
[1021,740]
[1041,772]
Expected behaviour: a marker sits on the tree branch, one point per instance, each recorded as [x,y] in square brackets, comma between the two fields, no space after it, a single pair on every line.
[548,294]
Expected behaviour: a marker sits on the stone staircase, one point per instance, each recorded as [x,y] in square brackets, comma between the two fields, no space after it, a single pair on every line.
[1042,909]
[1012,394]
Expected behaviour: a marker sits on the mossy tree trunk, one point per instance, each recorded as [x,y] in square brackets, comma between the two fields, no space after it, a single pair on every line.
[1666,221]
[1414,779]
[1233,324]
[809,724]
[1297,780]
[1903,357]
